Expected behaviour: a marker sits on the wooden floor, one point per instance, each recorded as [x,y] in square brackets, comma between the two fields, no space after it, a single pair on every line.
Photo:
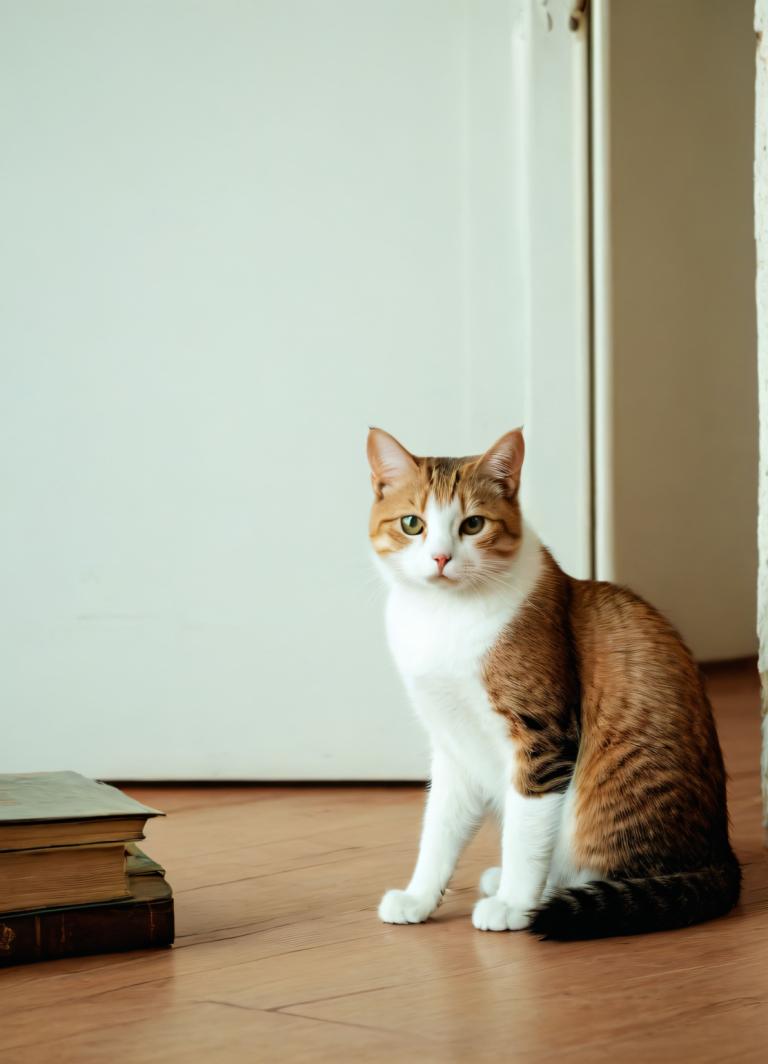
[280,956]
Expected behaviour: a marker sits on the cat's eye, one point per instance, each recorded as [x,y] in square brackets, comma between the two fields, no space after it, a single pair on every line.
[470,526]
[411,525]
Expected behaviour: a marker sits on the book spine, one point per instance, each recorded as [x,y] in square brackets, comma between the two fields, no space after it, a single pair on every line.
[78,932]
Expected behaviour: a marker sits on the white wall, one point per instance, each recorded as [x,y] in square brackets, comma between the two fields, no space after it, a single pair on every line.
[676,406]
[235,234]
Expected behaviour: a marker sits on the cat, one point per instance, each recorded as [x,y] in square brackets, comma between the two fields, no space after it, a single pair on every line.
[569,708]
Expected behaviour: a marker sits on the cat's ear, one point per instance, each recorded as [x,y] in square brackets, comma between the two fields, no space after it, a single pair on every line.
[389,461]
[504,460]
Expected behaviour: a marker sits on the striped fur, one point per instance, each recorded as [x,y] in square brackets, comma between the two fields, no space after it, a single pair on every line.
[635,906]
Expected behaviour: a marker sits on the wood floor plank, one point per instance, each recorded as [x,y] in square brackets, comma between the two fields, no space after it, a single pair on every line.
[209,1031]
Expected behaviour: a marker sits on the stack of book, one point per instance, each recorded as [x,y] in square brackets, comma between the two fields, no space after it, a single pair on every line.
[72,880]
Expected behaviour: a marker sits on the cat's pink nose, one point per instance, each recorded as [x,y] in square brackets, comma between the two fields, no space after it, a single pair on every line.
[442,560]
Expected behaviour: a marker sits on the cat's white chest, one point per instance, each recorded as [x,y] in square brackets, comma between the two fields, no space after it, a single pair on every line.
[433,636]
[439,645]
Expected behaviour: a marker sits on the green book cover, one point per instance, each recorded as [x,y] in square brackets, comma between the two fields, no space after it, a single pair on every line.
[139,864]
[43,796]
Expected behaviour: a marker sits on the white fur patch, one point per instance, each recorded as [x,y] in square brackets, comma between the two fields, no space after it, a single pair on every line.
[399,907]
[494,914]
[489,882]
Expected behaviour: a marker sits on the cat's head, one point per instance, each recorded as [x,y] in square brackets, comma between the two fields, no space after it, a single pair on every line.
[449,523]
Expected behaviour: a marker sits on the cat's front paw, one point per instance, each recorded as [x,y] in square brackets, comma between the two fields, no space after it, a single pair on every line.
[489,882]
[493,914]
[400,907]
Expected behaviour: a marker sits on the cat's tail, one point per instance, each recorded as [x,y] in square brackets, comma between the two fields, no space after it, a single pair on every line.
[635,906]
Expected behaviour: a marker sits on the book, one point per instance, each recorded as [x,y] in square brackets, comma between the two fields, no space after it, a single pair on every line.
[41,809]
[62,875]
[143,920]
[138,863]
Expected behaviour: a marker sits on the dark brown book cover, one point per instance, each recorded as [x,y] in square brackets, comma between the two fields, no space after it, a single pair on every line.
[142,921]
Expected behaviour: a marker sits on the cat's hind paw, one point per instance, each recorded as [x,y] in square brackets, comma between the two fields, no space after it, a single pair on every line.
[400,907]
[493,914]
[489,882]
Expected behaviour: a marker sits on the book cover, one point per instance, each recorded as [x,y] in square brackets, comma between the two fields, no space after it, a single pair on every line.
[39,809]
[138,863]
[41,796]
